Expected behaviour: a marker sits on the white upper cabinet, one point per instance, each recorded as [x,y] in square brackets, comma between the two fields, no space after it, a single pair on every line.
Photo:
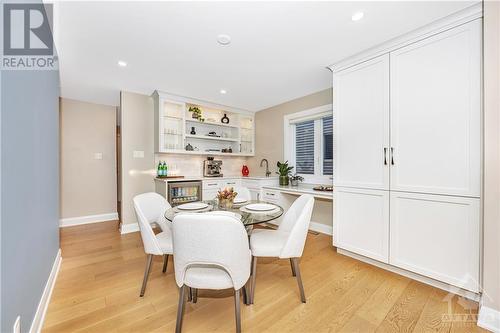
[361,125]
[435,113]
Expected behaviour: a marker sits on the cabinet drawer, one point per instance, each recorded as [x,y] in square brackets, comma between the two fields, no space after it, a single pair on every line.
[213,184]
[249,183]
[231,183]
[270,195]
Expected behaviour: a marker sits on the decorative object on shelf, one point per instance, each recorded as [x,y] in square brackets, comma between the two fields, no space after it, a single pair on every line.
[225,119]
[284,171]
[213,134]
[295,179]
[226,197]
[193,131]
[227,150]
[189,147]
[244,171]
[196,113]
[323,188]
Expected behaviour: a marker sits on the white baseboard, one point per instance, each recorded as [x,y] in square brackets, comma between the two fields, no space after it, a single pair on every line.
[314,226]
[424,279]
[71,221]
[37,324]
[129,227]
[489,319]
[322,228]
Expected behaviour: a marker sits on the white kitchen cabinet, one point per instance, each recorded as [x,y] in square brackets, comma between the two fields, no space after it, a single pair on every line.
[417,209]
[436,113]
[436,236]
[362,222]
[361,125]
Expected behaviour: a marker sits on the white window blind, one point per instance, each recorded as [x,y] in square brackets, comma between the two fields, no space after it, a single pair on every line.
[304,147]
[328,145]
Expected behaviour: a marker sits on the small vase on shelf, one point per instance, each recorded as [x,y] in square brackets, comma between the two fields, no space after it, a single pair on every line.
[225,119]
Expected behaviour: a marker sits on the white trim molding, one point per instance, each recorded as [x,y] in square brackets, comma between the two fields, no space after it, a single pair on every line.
[71,221]
[37,323]
[489,319]
[321,228]
[126,228]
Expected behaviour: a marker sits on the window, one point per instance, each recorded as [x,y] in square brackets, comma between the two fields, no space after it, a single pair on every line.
[309,143]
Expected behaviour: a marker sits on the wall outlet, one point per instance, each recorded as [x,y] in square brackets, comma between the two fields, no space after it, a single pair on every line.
[97,156]
[138,154]
[17,325]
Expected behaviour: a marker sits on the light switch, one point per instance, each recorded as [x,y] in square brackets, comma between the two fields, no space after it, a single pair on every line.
[138,154]
[97,156]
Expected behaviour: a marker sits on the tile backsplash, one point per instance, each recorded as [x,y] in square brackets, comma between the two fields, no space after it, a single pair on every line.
[192,165]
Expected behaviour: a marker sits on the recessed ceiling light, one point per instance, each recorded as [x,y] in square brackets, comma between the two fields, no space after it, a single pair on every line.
[357,16]
[223,91]
[122,63]
[223,39]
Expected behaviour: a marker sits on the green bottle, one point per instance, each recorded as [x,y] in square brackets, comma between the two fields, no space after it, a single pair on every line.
[166,169]
[159,171]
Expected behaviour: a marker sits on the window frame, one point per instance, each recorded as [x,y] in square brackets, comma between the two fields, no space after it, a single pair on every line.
[289,141]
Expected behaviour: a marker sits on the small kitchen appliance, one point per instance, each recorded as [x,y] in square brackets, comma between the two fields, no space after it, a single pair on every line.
[212,168]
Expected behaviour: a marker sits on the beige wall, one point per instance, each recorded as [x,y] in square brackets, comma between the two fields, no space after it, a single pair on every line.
[491,241]
[137,134]
[88,185]
[269,128]
[269,142]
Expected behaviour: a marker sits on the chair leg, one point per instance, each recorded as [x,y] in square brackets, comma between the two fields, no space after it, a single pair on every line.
[293,268]
[195,295]
[237,310]
[149,260]
[165,262]
[180,309]
[254,274]
[190,294]
[295,263]
[244,290]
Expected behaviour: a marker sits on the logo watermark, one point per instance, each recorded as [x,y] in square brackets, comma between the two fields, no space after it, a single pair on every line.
[27,37]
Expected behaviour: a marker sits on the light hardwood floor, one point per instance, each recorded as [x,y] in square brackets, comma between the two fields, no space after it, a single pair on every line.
[98,291]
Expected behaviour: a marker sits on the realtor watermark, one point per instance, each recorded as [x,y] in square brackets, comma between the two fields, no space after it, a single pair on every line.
[27,37]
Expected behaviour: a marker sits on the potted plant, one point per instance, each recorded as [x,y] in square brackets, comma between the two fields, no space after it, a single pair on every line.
[295,179]
[284,171]
[196,112]
[226,197]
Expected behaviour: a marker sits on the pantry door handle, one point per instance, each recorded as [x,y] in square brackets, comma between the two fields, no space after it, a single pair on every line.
[392,156]
[385,156]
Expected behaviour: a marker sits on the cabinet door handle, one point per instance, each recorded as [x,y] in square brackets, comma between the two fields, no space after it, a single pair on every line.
[392,156]
[385,156]
[231,183]
[212,184]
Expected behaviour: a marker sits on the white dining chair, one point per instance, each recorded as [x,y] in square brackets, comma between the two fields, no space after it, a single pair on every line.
[150,208]
[287,242]
[211,252]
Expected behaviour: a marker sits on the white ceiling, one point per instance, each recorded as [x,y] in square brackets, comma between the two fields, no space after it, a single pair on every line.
[279,50]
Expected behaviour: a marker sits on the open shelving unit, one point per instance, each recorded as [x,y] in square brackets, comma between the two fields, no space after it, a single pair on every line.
[174,125]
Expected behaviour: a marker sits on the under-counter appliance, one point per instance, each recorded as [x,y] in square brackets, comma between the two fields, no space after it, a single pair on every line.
[212,168]
[184,191]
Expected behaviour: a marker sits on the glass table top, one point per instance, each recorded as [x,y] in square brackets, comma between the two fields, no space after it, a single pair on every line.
[248,217]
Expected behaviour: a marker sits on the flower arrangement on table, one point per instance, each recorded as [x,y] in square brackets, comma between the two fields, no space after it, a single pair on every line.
[226,197]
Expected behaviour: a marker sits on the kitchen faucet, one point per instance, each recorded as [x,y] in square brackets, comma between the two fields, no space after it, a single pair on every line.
[268,173]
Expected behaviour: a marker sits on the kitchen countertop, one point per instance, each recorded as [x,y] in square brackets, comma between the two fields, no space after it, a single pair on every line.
[195,178]
[302,189]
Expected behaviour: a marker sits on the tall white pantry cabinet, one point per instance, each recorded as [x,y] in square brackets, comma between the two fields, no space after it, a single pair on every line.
[407,143]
